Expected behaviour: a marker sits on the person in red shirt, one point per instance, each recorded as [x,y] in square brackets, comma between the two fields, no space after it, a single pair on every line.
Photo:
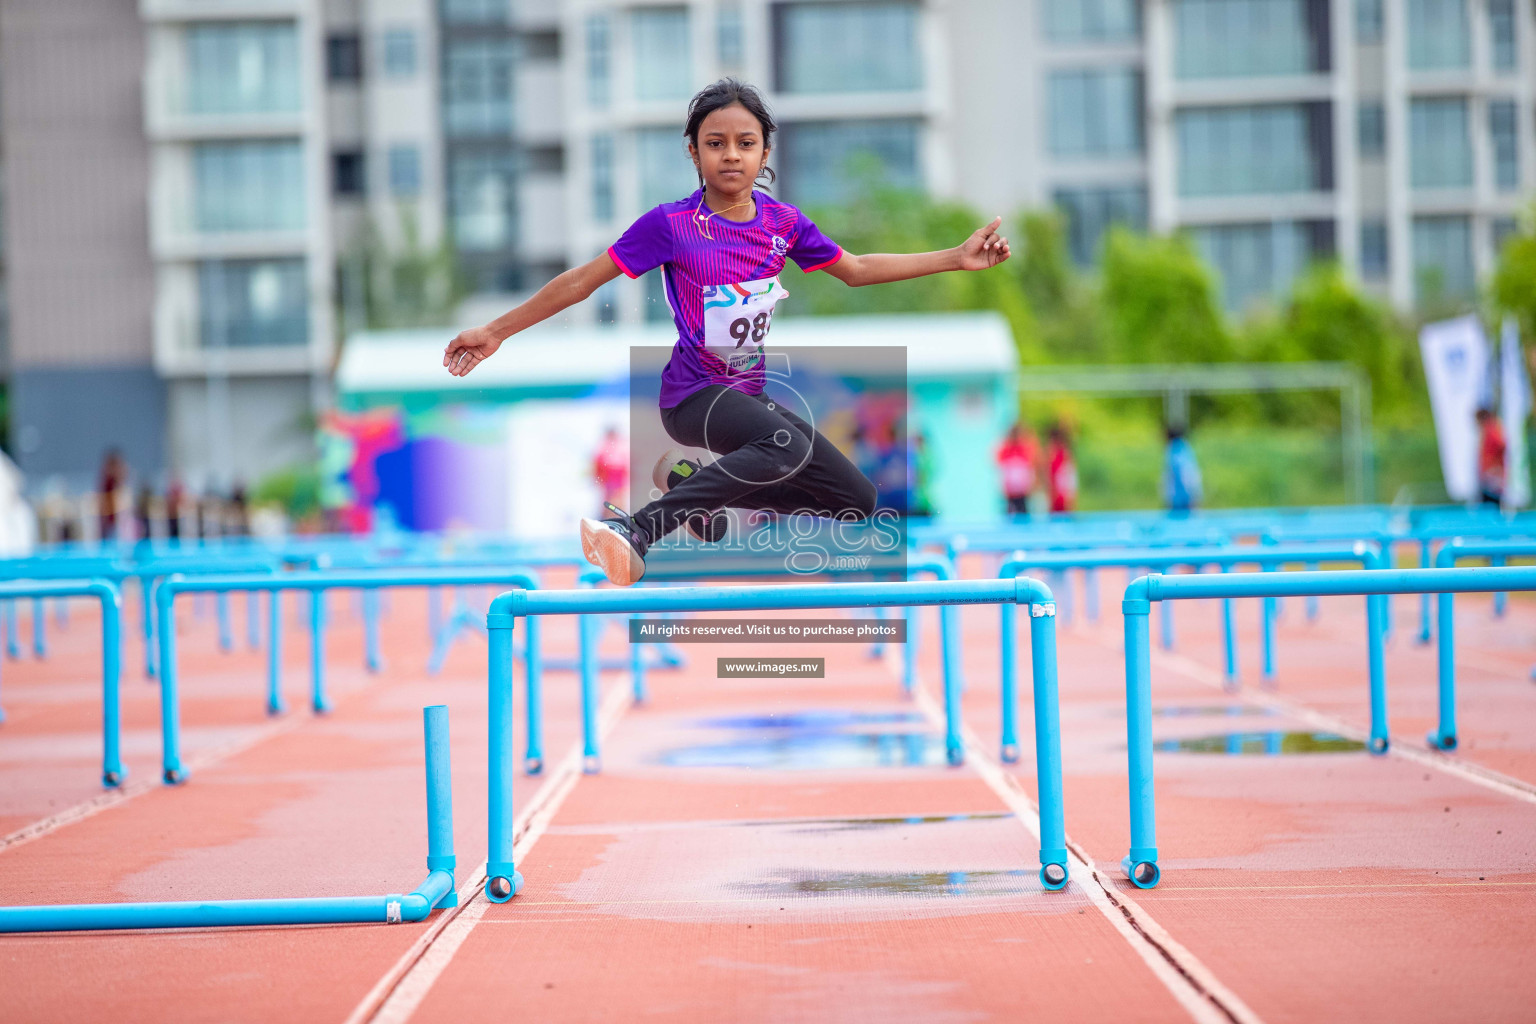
[1490,457]
[610,468]
[1063,471]
[1017,460]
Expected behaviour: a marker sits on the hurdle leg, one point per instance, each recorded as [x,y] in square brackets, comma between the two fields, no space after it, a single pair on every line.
[1053,829]
[1426,561]
[502,880]
[1444,736]
[533,680]
[954,746]
[318,701]
[1140,864]
[253,619]
[1008,653]
[275,705]
[586,642]
[1375,614]
[39,628]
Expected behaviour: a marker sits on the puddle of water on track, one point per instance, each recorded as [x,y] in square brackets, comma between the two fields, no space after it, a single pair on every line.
[794,885]
[813,719]
[1270,744]
[869,824]
[813,751]
[1203,710]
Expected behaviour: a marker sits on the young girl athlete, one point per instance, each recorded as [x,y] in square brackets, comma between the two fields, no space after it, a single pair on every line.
[721,251]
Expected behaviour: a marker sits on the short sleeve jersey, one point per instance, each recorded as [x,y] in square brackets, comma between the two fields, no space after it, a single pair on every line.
[673,237]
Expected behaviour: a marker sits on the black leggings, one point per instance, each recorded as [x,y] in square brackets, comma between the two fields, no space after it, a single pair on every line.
[769,458]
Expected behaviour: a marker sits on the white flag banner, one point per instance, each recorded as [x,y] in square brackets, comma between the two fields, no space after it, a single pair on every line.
[1515,402]
[1456,370]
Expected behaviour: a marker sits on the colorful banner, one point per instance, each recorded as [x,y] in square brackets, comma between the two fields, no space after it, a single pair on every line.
[1456,370]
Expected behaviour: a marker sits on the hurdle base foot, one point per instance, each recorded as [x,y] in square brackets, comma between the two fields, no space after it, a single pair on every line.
[1439,742]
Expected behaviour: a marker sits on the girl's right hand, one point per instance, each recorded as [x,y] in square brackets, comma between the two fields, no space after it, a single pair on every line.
[470,349]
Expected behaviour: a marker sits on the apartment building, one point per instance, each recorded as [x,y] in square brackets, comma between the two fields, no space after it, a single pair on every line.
[1395,135]
[195,201]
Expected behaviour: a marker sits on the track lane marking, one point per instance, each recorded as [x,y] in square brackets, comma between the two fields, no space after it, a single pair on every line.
[400,992]
[1193,986]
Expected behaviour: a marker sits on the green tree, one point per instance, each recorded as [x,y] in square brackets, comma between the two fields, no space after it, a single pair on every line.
[1514,279]
[885,219]
[1160,302]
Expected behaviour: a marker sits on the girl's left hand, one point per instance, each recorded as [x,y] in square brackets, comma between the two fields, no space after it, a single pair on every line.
[985,248]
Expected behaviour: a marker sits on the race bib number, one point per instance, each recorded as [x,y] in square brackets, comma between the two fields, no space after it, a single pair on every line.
[737,318]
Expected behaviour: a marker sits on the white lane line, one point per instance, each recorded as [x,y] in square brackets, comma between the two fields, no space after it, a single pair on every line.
[1400,747]
[397,995]
[117,797]
[1190,982]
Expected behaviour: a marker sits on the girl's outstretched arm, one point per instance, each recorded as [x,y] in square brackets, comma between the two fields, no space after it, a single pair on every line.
[474,346]
[985,248]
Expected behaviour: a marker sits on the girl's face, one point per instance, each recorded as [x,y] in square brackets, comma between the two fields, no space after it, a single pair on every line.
[730,152]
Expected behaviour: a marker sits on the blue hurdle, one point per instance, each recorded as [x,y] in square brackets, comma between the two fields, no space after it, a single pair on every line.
[436,891]
[1140,864]
[105,591]
[1444,736]
[316,584]
[502,879]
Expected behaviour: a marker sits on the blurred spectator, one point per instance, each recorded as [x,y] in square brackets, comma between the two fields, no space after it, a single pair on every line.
[922,477]
[238,513]
[175,508]
[1490,457]
[112,493]
[1182,488]
[1018,459]
[1062,469]
[610,468]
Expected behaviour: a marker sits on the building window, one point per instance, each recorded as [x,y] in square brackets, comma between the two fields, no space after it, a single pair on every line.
[249,303]
[243,68]
[1226,151]
[404,171]
[248,186]
[1368,21]
[1372,123]
[399,52]
[1439,37]
[1440,143]
[663,56]
[1242,38]
[831,161]
[1070,21]
[847,47]
[1375,257]
[1503,126]
[599,59]
[477,87]
[1096,113]
[347,177]
[1257,261]
[602,177]
[480,201]
[344,58]
[666,173]
[1091,212]
[476,12]
[1442,257]
[1501,23]
[728,36]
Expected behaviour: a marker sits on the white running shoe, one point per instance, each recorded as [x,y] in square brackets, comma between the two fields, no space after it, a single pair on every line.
[615,546]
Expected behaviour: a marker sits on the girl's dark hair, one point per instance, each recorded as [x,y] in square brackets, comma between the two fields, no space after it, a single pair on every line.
[722,94]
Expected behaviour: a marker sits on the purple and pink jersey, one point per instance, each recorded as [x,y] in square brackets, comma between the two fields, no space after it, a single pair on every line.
[672,237]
